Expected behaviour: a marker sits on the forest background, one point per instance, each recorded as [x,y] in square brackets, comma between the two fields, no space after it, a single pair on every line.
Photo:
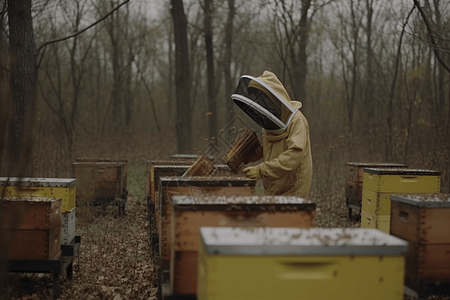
[154,78]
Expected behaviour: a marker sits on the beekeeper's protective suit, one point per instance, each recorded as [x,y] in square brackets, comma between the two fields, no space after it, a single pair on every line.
[287,166]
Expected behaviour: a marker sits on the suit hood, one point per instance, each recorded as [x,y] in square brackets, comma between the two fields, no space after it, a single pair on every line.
[266,101]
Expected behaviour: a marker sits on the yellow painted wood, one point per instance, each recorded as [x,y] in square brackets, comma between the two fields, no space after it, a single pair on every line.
[376,203]
[367,220]
[401,183]
[300,277]
[381,222]
[67,194]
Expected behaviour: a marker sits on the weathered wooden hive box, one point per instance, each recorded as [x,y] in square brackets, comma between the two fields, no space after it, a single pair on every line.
[380,183]
[121,161]
[32,226]
[295,263]
[354,181]
[193,187]
[161,170]
[189,214]
[64,188]
[99,182]
[424,221]
[151,182]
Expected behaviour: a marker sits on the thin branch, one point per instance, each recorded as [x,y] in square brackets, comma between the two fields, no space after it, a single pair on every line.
[82,30]
[431,36]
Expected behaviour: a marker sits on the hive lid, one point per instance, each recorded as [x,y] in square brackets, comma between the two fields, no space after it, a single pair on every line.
[30,199]
[38,182]
[423,200]
[207,181]
[267,203]
[376,164]
[93,159]
[184,156]
[183,166]
[299,241]
[401,171]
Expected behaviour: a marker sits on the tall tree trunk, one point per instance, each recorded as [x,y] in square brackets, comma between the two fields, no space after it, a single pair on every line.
[212,107]
[182,78]
[23,82]
[301,69]
[227,61]
[440,99]
[368,97]
[21,99]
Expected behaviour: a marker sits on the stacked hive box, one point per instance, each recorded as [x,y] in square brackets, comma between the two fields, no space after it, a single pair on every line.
[354,182]
[101,183]
[189,214]
[32,227]
[194,187]
[294,263]
[157,169]
[123,162]
[64,188]
[380,183]
[424,221]
[151,183]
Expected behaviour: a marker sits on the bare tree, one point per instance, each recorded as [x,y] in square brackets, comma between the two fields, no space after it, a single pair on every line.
[182,78]
[227,60]
[23,80]
[209,47]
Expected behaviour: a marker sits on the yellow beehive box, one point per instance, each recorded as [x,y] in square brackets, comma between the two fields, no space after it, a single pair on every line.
[380,222]
[380,183]
[354,182]
[401,180]
[64,188]
[295,263]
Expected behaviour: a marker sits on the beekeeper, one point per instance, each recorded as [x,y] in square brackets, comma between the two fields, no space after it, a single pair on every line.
[287,166]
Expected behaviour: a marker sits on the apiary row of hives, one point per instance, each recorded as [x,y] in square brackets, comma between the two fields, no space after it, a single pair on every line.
[39,213]
[407,203]
[215,239]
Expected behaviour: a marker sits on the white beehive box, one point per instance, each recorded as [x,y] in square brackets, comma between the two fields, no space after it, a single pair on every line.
[68,227]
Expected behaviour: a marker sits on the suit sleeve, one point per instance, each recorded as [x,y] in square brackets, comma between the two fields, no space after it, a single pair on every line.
[290,159]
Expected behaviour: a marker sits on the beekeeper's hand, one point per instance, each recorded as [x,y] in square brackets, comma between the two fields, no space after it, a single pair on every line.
[251,172]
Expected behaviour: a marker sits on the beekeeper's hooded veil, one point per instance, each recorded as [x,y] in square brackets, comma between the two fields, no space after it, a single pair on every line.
[287,166]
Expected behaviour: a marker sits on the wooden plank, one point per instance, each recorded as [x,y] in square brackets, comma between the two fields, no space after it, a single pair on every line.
[188,223]
[354,191]
[185,273]
[405,221]
[33,244]
[434,225]
[434,262]
[30,213]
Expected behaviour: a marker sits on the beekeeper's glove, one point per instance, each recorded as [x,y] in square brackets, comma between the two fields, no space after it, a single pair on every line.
[251,172]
